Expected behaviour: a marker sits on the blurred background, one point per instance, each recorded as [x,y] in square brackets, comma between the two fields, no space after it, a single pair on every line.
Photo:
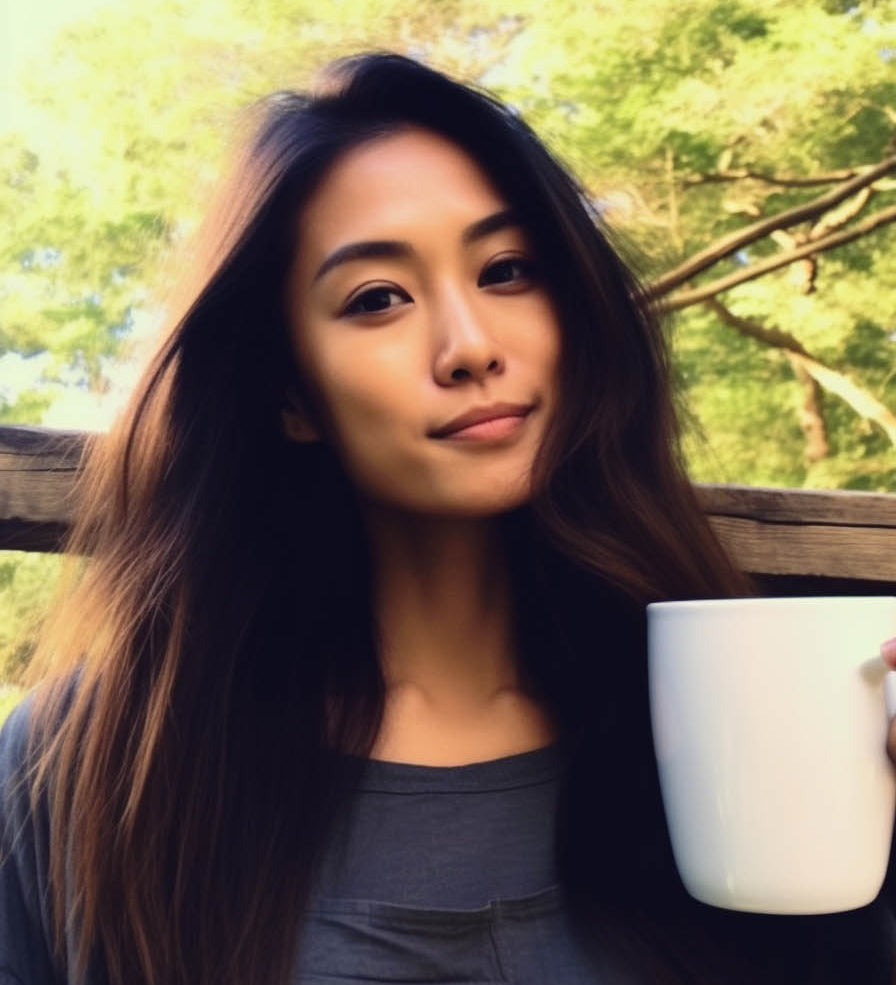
[693,124]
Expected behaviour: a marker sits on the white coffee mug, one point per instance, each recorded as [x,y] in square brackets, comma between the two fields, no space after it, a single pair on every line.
[770,728]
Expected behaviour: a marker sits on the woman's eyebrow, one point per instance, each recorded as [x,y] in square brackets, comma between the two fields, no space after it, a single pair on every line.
[393,248]
[490,224]
[362,251]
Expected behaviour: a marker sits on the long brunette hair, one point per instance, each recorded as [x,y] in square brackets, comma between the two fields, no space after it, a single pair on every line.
[218,653]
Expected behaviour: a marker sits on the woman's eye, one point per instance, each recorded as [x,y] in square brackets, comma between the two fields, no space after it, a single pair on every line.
[510,271]
[375,300]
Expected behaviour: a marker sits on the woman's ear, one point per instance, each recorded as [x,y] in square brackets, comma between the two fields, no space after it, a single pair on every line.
[295,421]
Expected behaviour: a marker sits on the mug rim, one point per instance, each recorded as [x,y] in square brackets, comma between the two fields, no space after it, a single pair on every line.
[771,601]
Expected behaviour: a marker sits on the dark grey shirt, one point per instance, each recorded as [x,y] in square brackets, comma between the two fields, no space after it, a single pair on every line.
[24,930]
[432,874]
[455,836]
[446,874]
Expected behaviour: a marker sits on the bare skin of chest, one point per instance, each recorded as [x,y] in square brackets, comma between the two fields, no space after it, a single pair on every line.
[416,731]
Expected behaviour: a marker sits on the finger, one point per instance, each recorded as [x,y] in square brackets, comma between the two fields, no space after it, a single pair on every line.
[888,652]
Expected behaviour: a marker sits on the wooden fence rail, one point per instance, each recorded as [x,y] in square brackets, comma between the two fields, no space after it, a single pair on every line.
[786,536]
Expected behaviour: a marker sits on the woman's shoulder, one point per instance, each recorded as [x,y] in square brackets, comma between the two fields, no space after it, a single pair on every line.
[14,738]
[24,851]
[15,733]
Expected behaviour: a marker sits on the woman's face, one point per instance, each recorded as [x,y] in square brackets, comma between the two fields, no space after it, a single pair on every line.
[414,298]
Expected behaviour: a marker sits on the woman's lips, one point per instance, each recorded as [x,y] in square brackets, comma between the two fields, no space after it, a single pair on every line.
[491,430]
[470,420]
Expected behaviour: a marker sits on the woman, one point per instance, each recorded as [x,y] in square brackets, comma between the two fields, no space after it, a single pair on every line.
[353,686]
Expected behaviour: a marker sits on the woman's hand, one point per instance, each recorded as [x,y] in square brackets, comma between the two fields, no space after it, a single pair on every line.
[888,655]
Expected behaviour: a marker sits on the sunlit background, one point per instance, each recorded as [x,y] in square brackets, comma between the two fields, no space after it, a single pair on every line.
[29,37]
[687,120]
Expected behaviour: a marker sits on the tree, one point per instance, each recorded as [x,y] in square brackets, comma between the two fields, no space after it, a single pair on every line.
[726,111]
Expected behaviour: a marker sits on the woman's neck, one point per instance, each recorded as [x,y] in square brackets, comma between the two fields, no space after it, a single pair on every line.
[444,608]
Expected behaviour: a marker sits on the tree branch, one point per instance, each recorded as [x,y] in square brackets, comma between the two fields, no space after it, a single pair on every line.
[732,242]
[804,272]
[811,415]
[865,404]
[840,216]
[686,298]
[788,181]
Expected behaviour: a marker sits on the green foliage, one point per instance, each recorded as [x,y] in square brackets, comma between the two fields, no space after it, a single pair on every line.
[716,449]
[30,406]
[26,586]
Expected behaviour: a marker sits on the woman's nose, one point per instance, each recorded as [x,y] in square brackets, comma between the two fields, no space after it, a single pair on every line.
[467,347]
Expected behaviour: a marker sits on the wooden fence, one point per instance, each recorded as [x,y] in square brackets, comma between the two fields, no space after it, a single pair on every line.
[796,541]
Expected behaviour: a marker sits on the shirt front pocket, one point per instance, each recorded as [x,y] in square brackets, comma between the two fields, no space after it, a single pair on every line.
[345,942]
